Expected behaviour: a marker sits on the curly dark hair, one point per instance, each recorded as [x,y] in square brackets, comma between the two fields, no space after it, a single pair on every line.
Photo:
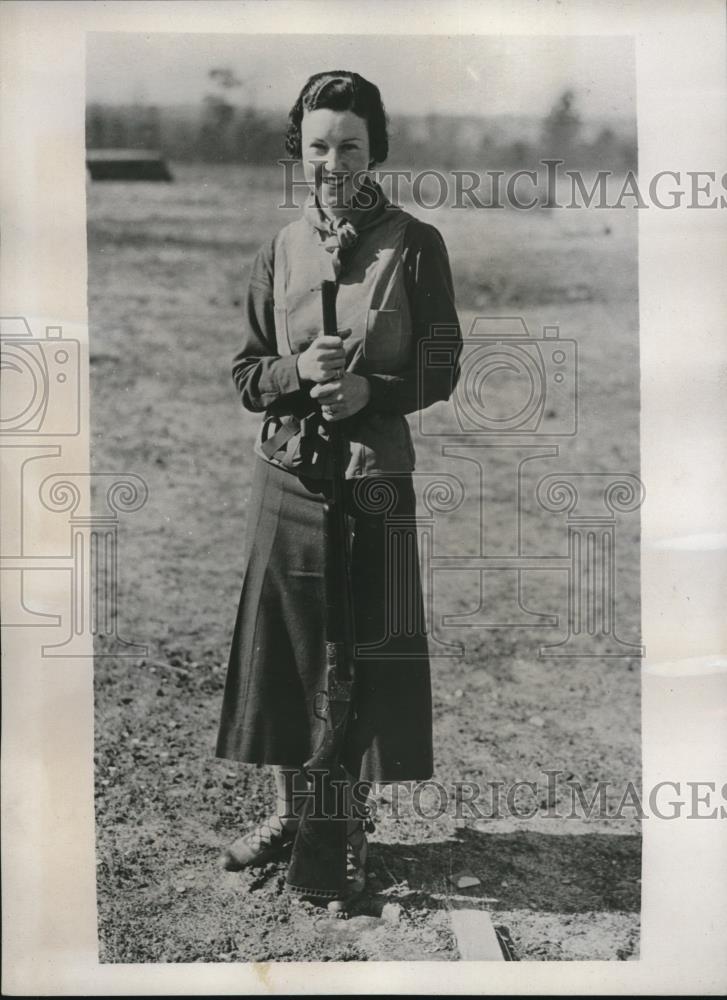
[341,90]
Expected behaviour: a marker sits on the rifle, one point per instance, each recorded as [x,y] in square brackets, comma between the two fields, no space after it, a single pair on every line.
[318,863]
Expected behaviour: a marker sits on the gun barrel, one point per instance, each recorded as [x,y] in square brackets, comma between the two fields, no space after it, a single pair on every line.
[318,863]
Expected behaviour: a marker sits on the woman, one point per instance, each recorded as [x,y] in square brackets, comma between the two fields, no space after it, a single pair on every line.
[393,286]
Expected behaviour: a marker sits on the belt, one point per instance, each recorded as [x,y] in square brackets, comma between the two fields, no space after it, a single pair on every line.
[307,426]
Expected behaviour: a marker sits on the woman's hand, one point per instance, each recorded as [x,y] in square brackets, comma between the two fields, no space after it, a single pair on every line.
[324,359]
[342,398]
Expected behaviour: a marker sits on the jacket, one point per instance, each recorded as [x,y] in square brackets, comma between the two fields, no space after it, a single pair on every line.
[396,311]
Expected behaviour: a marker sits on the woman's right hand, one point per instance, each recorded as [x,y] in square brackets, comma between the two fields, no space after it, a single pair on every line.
[324,359]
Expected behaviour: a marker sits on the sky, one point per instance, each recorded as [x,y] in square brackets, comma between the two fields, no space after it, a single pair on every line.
[461,74]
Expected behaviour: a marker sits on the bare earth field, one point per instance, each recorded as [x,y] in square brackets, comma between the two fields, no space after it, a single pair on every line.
[167,269]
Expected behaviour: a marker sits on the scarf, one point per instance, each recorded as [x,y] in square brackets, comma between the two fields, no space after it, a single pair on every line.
[337,235]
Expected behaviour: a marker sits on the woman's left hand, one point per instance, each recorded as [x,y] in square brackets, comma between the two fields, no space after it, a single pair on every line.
[343,397]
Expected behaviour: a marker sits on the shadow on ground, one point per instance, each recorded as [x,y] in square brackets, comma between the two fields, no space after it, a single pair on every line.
[580,873]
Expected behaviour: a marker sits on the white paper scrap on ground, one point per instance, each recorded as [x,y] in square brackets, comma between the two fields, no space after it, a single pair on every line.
[462,880]
[476,937]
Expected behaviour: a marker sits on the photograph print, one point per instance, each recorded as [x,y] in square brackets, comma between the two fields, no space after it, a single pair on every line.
[363,326]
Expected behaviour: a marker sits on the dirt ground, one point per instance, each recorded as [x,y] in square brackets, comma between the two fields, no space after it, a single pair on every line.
[167,269]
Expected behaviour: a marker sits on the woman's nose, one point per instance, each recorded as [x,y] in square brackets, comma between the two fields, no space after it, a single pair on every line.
[333,161]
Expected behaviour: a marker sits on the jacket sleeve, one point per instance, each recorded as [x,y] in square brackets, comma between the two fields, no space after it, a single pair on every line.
[432,374]
[263,377]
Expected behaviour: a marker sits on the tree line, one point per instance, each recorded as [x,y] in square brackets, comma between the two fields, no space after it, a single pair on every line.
[219,130]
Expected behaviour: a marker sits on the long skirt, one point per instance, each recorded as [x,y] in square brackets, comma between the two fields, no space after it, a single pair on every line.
[277,657]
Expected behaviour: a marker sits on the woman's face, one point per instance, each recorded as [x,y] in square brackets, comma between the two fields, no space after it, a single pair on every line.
[337,144]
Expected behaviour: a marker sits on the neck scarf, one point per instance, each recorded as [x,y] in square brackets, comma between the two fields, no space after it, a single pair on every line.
[340,234]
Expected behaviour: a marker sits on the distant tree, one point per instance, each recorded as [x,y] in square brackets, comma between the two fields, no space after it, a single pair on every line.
[225,78]
[179,134]
[257,137]
[152,129]
[611,150]
[562,128]
[629,151]
[117,132]
[218,114]
[96,118]
[518,155]
[604,151]
[144,131]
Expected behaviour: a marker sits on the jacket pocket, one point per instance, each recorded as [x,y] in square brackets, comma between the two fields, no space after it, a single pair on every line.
[383,342]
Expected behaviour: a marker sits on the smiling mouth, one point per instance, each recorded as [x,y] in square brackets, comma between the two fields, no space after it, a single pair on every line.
[336,192]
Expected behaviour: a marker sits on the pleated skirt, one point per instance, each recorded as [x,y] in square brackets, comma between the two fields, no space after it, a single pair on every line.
[277,655]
